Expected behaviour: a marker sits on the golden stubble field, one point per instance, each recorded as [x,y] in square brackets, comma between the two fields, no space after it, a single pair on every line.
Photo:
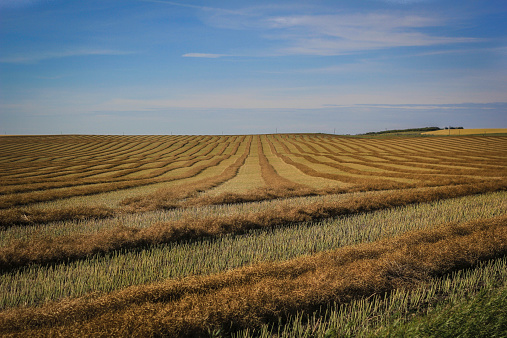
[249,235]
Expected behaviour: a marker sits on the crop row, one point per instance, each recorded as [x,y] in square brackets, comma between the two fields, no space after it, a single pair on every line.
[251,296]
[21,253]
[37,284]
[461,304]
[180,170]
[55,169]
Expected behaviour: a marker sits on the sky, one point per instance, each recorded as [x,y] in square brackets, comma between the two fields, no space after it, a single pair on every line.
[251,67]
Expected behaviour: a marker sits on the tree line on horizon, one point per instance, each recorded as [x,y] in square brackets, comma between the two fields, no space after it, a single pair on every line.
[422,130]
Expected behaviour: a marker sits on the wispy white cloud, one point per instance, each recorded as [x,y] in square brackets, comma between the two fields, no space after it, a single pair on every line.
[341,34]
[34,57]
[334,33]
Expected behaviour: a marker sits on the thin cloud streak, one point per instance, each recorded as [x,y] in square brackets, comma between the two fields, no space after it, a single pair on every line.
[343,34]
[337,34]
[329,34]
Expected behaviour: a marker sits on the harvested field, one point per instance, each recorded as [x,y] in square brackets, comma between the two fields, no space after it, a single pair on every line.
[248,234]
[467,131]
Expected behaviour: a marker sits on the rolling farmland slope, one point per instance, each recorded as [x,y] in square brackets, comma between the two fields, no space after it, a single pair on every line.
[486,131]
[243,235]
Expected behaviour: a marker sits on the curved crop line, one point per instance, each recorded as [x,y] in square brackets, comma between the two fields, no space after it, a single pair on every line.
[312,172]
[268,172]
[37,186]
[170,198]
[394,172]
[106,184]
[249,296]
[65,248]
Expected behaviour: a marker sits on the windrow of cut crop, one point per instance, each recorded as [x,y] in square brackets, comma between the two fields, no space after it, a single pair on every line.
[267,293]
[287,190]
[46,191]
[437,144]
[79,176]
[93,147]
[193,154]
[418,169]
[343,177]
[89,160]
[269,174]
[183,196]
[419,178]
[424,147]
[18,216]
[161,200]
[169,198]
[43,251]
[7,201]
[188,146]
[118,270]
[94,157]
[387,171]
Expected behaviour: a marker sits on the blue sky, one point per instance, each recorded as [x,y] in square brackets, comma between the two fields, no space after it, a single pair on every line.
[248,67]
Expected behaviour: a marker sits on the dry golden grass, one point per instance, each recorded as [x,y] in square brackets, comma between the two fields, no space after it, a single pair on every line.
[65,248]
[169,198]
[251,296]
[248,178]
[51,191]
[468,131]
[47,168]
[24,216]
[215,170]
[192,166]
[268,172]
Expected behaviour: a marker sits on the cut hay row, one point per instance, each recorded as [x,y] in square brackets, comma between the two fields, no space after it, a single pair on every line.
[118,270]
[43,251]
[296,175]
[252,296]
[309,166]
[317,160]
[134,159]
[197,223]
[190,168]
[387,168]
[413,148]
[115,153]
[247,179]
[355,140]
[117,179]
[269,174]
[170,198]
[425,170]
[468,302]
[424,145]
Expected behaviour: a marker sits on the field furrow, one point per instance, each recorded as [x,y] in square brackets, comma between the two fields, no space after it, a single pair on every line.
[276,235]
[250,296]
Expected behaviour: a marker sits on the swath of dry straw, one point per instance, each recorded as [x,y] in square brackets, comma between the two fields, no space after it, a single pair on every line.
[251,296]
